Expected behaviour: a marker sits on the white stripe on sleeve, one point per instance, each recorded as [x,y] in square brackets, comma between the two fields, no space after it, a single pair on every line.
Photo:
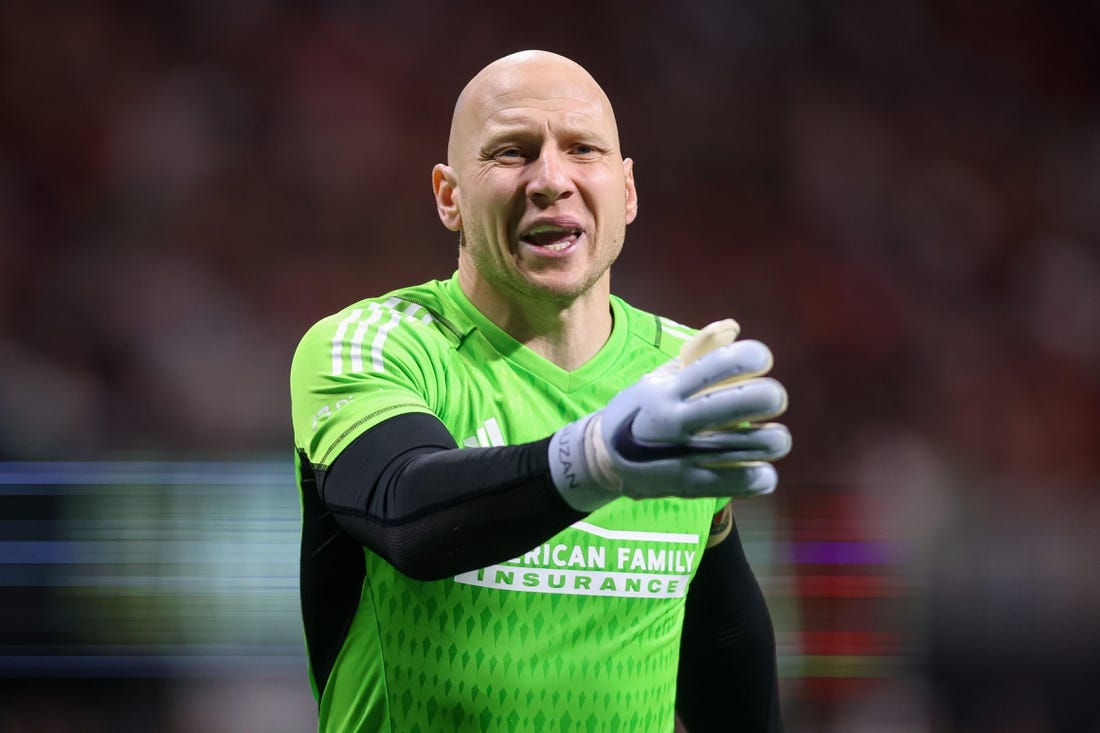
[678,330]
[380,341]
[355,351]
[338,340]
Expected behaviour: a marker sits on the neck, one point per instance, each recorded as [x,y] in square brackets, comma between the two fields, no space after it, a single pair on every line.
[567,333]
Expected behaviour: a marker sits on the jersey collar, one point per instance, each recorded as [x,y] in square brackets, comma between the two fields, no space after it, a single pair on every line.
[521,356]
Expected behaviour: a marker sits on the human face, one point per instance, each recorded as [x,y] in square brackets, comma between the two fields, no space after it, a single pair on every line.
[537,185]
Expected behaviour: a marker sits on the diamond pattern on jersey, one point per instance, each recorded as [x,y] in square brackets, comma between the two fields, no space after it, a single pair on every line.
[501,656]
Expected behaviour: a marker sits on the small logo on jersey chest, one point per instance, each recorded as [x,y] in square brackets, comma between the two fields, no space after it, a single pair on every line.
[488,435]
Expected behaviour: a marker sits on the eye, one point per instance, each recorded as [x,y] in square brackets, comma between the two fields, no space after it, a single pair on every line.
[585,150]
[510,153]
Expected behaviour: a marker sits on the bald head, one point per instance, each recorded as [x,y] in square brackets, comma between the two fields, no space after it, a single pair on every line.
[524,78]
[538,190]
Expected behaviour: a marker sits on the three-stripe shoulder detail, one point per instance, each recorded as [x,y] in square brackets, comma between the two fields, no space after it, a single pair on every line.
[360,336]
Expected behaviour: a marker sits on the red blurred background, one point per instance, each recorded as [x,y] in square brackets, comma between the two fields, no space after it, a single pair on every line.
[902,199]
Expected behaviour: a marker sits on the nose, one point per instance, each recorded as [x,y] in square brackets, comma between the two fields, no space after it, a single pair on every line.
[550,178]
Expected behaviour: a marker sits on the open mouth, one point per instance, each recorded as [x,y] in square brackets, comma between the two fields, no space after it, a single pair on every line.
[551,236]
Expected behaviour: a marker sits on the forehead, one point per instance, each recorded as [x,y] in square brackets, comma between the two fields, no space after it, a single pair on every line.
[518,109]
[530,95]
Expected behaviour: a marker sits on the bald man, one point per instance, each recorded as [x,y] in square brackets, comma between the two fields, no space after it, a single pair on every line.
[516,486]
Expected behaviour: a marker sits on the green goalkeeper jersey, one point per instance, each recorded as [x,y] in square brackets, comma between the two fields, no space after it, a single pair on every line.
[580,633]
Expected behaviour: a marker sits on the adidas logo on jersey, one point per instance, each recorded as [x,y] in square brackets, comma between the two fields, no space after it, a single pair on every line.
[487,436]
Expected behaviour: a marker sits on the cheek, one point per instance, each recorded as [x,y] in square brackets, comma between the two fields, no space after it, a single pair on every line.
[609,190]
[614,210]
[487,203]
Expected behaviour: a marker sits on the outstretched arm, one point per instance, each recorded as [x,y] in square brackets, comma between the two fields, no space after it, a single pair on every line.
[405,490]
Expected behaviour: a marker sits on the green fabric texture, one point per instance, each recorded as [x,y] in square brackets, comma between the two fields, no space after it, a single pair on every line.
[579,634]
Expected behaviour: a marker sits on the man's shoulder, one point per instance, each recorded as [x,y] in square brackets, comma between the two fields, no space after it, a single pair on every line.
[652,330]
[423,311]
[428,294]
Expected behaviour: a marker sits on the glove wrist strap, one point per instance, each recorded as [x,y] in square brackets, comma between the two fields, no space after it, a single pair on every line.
[577,467]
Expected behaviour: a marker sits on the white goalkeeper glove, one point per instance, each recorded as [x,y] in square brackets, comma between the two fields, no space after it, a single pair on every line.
[684,429]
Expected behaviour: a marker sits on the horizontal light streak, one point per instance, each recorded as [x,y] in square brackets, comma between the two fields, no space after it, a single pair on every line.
[850,586]
[840,553]
[850,643]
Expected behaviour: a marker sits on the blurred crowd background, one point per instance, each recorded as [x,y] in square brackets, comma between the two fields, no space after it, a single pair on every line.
[902,199]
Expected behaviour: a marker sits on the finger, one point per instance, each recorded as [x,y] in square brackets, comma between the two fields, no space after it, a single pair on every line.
[756,399]
[737,481]
[768,442]
[736,361]
[713,336]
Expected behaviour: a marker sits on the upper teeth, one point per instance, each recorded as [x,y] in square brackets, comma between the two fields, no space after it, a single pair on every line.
[550,228]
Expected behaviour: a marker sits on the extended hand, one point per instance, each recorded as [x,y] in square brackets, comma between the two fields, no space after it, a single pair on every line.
[682,430]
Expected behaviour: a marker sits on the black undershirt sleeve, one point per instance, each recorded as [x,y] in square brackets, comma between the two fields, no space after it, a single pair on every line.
[404,490]
[727,679]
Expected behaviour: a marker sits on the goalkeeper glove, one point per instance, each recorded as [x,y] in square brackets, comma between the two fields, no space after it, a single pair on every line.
[682,430]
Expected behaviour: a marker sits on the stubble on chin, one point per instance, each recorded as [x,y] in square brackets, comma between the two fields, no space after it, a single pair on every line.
[502,271]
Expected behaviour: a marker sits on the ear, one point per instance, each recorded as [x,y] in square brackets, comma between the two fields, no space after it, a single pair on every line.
[445,185]
[631,192]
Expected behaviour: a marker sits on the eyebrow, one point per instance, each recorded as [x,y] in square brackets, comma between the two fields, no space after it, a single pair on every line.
[517,130]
